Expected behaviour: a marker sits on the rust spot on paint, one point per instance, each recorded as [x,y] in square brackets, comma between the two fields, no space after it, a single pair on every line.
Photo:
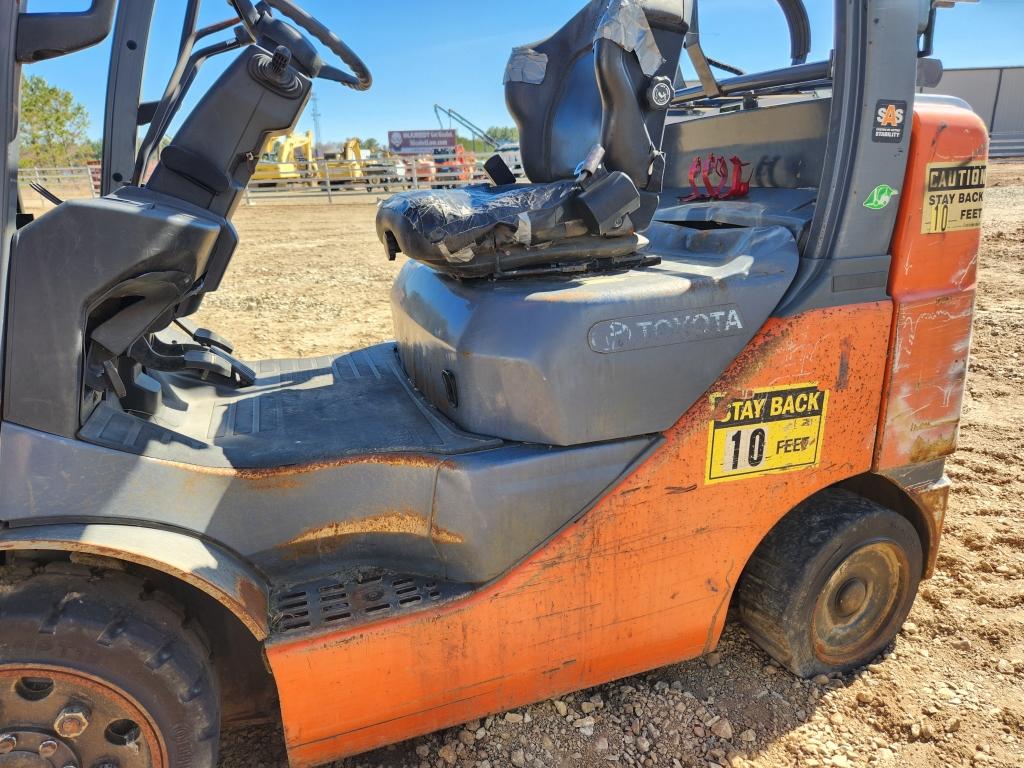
[933,501]
[444,536]
[256,474]
[325,539]
[397,521]
[843,380]
[925,450]
[251,596]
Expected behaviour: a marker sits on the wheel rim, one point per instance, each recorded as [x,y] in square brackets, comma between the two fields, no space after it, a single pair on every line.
[53,717]
[860,602]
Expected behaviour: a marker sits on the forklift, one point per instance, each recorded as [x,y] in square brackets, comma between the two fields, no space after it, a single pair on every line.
[618,407]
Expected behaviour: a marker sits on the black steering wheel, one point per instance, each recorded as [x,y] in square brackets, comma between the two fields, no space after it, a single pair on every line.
[361,80]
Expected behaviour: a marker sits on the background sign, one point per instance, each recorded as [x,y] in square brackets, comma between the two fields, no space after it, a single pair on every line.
[421,142]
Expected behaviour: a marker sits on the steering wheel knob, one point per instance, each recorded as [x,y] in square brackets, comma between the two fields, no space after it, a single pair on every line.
[280,61]
[275,72]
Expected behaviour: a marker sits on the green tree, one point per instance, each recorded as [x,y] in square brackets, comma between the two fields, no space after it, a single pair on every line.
[472,145]
[371,145]
[504,133]
[52,127]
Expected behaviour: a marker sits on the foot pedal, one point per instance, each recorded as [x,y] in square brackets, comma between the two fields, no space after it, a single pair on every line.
[204,337]
[163,356]
[246,376]
[219,362]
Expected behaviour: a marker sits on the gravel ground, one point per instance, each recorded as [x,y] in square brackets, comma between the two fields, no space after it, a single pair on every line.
[948,692]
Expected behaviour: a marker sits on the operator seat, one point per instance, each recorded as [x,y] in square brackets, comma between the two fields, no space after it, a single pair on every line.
[590,103]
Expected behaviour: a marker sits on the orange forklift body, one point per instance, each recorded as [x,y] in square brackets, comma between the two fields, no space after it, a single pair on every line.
[645,577]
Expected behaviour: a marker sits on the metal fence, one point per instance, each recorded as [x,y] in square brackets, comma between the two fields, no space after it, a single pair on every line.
[64,183]
[324,179]
[333,177]
[997,95]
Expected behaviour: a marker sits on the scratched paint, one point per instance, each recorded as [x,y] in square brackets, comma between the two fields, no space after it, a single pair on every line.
[642,580]
[932,283]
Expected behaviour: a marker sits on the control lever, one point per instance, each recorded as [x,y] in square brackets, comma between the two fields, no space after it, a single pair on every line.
[42,191]
[590,165]
[114,378]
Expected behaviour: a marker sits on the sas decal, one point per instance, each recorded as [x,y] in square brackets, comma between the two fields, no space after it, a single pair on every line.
[778,429]
[954,194]
[890,121]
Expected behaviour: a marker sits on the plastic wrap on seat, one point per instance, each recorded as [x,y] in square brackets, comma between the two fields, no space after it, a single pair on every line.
[624,22]
[526,66]
[445,225]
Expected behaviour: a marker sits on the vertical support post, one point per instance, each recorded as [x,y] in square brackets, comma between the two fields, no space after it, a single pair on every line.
[326,169]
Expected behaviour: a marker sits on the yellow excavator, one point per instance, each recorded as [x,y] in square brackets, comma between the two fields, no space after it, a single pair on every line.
[287,159]
[346,166]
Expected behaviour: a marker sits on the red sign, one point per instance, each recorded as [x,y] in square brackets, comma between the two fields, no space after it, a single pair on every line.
[421,142]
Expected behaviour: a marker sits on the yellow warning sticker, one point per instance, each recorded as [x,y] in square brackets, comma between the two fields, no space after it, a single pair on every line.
[954,195]
[778,429]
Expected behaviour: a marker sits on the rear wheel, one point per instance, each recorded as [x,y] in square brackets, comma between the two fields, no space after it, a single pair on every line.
[829,587]
[97,672]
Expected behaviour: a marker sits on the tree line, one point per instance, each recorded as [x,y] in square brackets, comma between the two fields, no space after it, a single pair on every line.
[53,130]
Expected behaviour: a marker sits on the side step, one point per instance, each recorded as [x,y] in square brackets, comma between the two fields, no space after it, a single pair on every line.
[352,599]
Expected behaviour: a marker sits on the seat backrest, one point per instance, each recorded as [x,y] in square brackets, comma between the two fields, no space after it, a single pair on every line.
[587,84]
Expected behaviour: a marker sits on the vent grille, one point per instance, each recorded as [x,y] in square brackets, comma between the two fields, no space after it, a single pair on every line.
[342,602]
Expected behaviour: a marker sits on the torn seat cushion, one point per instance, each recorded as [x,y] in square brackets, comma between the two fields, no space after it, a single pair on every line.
[450,227]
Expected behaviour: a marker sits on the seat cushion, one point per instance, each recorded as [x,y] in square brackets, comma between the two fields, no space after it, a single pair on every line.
[450,227]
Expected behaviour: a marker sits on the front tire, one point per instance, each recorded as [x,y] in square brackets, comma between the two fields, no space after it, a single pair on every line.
[831,584]
[94,665]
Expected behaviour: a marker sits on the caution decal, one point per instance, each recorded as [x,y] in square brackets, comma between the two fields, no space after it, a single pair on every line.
[954,194]
[778,429]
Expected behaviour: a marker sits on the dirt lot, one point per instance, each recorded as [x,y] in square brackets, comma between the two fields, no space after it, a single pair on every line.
[950,692]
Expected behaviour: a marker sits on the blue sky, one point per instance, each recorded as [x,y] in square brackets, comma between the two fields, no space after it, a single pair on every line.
[453,52]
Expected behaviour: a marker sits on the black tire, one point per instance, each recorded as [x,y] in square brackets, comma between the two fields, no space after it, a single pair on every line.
[106,627]
[831,584]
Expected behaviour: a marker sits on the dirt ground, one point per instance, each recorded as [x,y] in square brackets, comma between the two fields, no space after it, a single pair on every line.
[949,692]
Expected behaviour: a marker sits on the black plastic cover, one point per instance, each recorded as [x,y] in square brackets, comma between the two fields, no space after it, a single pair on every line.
[444,226]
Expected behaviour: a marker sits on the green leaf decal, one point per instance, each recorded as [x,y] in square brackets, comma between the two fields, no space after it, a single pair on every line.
[880,197]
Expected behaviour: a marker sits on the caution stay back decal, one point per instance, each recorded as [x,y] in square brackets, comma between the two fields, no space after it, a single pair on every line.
[777,429]
[954,195]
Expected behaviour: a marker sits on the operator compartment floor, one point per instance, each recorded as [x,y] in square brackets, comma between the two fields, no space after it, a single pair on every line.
[298,412]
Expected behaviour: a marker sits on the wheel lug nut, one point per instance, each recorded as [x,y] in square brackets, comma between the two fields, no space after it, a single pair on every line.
[72,721]
[7,743]
[48,748]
